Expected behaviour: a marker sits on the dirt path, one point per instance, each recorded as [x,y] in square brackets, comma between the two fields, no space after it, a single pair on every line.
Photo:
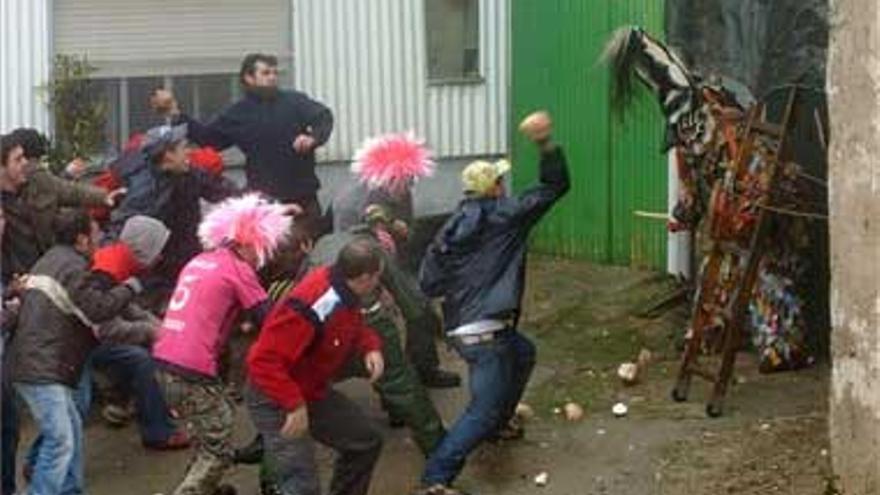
[773,438]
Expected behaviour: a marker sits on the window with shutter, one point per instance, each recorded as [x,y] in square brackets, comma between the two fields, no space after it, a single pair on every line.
[193,47]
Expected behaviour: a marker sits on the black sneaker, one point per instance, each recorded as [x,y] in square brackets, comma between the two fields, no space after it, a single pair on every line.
[441,379]
[396,423]
[251,453]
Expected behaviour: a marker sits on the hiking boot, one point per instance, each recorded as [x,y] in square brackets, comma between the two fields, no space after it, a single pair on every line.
[441,379]
[438,489]
[251,453]
[177,441]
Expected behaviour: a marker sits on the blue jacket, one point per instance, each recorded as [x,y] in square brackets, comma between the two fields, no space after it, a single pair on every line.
[477,261]
[264,130]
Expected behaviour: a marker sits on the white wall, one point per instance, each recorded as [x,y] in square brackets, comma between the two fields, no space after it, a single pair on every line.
[367,61]
[25,52]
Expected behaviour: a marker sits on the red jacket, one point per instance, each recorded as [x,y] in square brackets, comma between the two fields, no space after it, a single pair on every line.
[307,339]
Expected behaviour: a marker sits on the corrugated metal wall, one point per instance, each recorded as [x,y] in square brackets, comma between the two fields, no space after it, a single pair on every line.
[639,171]
[25,52]
[367,61]
[616,167]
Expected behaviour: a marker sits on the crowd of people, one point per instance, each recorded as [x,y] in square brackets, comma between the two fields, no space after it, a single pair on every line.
[131,278]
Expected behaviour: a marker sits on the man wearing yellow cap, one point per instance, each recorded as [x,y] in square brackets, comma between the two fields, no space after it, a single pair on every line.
[477,264]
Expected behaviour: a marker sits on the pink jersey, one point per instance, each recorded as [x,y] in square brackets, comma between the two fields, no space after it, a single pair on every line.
[211,291]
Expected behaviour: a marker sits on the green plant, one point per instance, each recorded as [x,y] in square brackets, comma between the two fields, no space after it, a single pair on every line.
[80,114]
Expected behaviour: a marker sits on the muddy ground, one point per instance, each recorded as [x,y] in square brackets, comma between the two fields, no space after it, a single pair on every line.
[586,319]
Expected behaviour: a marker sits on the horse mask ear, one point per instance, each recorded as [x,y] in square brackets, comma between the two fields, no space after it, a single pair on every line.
[632,51]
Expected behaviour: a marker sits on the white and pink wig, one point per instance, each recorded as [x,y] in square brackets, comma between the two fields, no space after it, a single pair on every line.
[250,221]
[392,161]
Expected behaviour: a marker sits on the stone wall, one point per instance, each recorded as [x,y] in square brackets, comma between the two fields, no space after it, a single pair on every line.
[854,170]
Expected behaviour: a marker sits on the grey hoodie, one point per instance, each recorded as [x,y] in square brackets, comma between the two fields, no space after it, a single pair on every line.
[145,236]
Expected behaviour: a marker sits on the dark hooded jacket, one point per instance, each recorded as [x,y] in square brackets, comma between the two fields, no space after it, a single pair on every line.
[477,260]
[172,198]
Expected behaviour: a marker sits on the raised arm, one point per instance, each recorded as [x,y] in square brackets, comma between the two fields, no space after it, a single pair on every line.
[533,203]
[72,193]
[536,201]
[217,134]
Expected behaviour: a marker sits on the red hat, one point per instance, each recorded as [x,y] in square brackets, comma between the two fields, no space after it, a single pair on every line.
[207,158]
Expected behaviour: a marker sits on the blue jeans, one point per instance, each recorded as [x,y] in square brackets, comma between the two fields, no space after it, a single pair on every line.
[58,467]
[499,371]
[133,367]
[82,397]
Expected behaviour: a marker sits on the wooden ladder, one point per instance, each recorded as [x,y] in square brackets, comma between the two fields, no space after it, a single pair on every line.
[714,304]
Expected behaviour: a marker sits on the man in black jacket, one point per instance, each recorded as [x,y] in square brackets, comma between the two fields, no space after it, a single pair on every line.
[60,311]
[277,130]
[161,184]
[477,264]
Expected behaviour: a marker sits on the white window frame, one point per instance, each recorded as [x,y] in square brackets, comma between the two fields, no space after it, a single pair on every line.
[474,79]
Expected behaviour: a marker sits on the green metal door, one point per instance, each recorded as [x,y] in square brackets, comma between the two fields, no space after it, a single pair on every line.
[617,167]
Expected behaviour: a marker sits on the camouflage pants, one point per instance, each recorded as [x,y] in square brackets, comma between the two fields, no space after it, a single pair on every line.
[209,417]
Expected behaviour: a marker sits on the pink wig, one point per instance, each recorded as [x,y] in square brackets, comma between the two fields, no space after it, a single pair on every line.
[247,221]
[392,160]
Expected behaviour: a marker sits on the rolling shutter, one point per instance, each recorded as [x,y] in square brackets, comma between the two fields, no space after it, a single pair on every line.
[171,37]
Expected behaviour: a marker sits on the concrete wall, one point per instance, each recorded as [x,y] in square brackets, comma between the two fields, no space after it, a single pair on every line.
[854,88]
